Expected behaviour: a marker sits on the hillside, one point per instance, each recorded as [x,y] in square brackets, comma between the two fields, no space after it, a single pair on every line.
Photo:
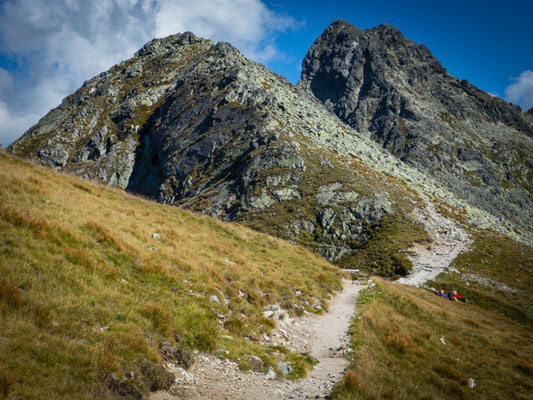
[195,124]
[410,344]
[99,287]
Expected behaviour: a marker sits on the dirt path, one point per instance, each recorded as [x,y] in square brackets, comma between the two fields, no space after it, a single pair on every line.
[324,337]
[433,258]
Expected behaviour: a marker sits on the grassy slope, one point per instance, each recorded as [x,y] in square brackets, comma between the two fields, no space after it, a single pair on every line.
[84,297]
[399,355]
[497,273]
[396,335]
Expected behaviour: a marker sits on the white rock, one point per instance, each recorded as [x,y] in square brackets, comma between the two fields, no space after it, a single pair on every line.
[442,340]
[214,299]
[184,375]
[284,368]
[155,236]
[270,374]
[471,383]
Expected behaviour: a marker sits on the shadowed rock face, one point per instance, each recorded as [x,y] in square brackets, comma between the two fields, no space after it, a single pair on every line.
[193,123]
[395,91]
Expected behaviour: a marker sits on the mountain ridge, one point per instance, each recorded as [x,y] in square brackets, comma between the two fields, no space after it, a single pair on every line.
[196,124]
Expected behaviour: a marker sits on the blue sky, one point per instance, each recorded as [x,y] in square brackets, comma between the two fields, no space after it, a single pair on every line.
[49,47]
[486,42]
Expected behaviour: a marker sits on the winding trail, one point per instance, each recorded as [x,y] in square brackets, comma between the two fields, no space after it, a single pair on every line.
[448,240]
[325,337]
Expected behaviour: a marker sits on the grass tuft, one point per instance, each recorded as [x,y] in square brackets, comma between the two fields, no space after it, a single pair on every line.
[159,316]
[7,380]
[10,293]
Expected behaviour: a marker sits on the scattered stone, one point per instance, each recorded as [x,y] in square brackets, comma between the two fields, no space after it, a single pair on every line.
[256,362]
[214,299]
[471,383]
[284,368]
[271,374]
[442,340]
[155,236]
[153,249]
[101,328]
[184,376]
[227,337]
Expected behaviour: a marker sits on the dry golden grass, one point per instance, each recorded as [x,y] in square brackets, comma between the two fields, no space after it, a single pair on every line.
[83,293]
[399,354]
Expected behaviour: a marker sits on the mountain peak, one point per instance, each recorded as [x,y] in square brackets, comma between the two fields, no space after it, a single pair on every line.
[395,91]
[169,43]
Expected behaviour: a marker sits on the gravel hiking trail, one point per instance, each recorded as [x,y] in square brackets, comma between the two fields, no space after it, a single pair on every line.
[448,240]
[325,337]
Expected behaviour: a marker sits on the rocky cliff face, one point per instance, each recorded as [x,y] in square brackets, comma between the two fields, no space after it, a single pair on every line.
[397,93]
[193,123]
[95,131]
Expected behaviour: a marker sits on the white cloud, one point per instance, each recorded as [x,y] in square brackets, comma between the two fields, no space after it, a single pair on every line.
[247,24]
[58,44]
[521,90]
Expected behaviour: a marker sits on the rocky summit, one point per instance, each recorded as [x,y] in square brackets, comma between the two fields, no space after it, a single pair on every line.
[387,87]
[328,164]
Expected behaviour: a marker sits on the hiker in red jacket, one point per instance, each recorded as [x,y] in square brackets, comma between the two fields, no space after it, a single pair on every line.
[453,296]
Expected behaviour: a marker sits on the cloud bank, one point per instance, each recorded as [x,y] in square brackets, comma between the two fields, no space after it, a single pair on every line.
[521,90]
[49,47]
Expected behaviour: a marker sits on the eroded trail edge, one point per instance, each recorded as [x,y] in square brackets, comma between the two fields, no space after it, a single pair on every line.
[325,337]
[448,241]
